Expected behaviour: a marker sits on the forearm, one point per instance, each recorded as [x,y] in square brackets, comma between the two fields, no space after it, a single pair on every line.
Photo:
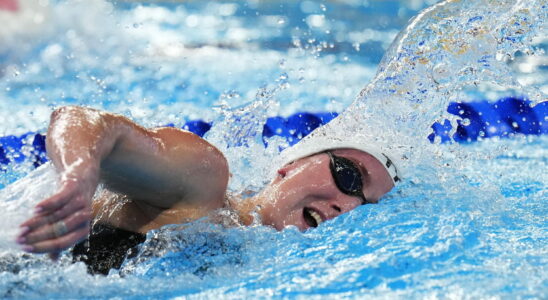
[160,166]
[79,139]
[89,146]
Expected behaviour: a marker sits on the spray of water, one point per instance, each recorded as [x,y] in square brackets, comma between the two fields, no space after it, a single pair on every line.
[437,230]
[444,50]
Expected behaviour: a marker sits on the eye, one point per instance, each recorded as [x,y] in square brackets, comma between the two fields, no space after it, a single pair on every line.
[347,175]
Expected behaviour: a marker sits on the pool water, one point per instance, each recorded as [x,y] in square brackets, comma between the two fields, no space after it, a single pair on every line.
[469,220]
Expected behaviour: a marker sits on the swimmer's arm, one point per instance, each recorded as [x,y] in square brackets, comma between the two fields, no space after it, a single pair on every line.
[159,167]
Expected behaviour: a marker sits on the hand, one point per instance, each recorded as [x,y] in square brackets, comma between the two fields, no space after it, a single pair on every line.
[61,220]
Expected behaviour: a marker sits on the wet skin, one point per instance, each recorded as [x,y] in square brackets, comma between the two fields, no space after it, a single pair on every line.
[308,183]
[161,174]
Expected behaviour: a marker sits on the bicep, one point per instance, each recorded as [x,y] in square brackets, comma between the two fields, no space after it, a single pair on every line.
[165,166]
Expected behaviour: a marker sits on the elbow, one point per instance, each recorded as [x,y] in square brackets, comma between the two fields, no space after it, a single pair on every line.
[65,110]
[74,113]
[58,112]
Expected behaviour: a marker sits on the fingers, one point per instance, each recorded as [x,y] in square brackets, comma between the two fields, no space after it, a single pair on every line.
[40,231]
[60,221]
[58,200]
[48,231]
[58,244]
[44,219]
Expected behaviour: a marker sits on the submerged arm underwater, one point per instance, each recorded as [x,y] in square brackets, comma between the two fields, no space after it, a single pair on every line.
[159,170]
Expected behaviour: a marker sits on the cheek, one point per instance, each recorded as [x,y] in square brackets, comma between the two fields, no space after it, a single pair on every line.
[273,205]
[293,218]
[286,195]
[282,207]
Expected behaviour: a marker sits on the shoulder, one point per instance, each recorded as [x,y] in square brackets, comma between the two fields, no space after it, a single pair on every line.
[179,176]
[204,166]
[198,150]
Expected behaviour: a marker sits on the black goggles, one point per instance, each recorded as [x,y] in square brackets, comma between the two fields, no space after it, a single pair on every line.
[347,176]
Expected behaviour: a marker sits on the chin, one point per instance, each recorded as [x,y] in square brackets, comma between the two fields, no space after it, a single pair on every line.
[291,223]
[279,226]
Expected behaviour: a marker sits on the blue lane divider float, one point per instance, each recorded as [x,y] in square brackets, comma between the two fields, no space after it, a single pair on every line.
[296,126]
[30,147]
[503,118]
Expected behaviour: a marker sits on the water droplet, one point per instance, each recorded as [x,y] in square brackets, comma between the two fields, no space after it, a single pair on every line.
[466,122]
[323,8]
[230,94]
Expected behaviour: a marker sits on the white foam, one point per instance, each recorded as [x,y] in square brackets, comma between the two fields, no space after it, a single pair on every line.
[17,202]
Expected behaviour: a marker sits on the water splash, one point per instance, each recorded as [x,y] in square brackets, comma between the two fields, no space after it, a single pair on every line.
[17,202]
[238,133]
[453,230]
[445,49]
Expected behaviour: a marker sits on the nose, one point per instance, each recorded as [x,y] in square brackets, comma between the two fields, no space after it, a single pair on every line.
[344,204]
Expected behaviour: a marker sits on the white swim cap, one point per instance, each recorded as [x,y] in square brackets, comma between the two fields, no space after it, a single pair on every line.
[317,143]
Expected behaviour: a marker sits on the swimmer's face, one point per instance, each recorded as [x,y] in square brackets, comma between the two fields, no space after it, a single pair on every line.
[304,194]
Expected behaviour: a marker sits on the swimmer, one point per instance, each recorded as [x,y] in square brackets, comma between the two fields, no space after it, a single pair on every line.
[156,177]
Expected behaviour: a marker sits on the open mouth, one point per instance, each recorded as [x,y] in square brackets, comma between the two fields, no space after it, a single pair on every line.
[311,217]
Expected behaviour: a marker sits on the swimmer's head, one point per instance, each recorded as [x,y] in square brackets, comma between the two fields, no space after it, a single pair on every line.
[321,178]
[317,143]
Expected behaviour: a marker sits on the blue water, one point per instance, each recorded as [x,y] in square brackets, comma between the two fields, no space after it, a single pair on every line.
[451,230]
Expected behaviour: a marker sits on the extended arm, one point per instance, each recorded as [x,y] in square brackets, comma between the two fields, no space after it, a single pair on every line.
[160,168]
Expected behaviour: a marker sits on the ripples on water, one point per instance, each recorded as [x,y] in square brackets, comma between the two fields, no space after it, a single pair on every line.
[468,221]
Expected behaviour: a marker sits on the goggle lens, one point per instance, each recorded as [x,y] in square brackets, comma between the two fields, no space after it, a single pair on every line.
[347,176]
